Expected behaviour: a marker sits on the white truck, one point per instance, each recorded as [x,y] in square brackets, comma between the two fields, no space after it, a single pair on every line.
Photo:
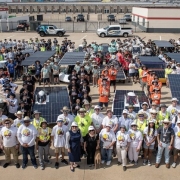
[114,30]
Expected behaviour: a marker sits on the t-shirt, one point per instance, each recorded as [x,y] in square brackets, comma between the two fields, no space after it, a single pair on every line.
[151,134]
[11,68]
[177,137]
[9,136]
[122,139]
[173,111]
[59,134]
[126,122]
[67,119]
[165,134]
[107,137]
[113,121]
[136,137]
[17,122]
[45,72]
[97,120]
[132,68]
[13,109]
[27,134]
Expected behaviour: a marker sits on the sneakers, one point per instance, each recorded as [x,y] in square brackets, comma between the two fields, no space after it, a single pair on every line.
[135,163]
[102,162]
[167,165]
[157,165]
[119,163]
[35,166]
[149,163]
[124,168]
[6,165]
[108,163]
[144,162]
[130,162]
[24,166]
[64,161]
[17,165]
[173,165]
[42,167]
[56,165]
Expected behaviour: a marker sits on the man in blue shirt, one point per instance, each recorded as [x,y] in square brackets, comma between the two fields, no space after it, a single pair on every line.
[11,68]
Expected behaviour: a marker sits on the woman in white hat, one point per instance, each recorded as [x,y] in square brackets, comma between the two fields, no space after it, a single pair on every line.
[19,120]
[91,143]
[176,143]
[165,139]
[153,115]
[97,119]
[135,144]
[37,119]
[150,134]
[145,108]
[108,139]
[73,145]
[122,146]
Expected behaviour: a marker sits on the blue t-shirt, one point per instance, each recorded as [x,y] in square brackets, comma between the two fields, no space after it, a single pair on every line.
[11,68]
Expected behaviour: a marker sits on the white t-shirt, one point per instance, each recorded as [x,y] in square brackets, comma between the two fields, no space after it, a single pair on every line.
[136,137]
[59,134]
[151,136]
[177,137]
[112,121]
[122,138]
[173,111]
[107,137]
[9,136]
[67,120]
[17,122]
[132,70]
[126,122]
[27,134]
[13,109]
[97,120]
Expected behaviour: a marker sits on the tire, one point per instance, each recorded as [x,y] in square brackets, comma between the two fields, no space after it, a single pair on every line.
[125,34]
[102,35]
[42,34]
[17,29]
[60,34]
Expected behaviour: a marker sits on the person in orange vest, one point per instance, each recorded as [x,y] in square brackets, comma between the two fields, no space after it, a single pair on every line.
[112,76]
[154,85]
[159,82]
[104,81]
[104,96]
[143,76]
[156,96]
[150,79]
[105,69]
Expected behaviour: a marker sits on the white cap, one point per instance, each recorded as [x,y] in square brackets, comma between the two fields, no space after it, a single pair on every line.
[90,128]
[109,125]
[174,99]
[145,103]
[166,121]
[97,107]
[74,124]
[152,121]
[153,111]
[133,123]
[125,111]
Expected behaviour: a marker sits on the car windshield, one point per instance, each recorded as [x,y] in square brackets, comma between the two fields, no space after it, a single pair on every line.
[106,27]
[55,27]
[127,15]
[111,15]
[80,15]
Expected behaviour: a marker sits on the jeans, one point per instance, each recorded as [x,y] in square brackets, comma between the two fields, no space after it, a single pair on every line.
[30,151]
[164,147]
[106,154]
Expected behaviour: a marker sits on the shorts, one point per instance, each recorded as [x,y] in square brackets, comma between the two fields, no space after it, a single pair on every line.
[148,147]
[55,75]
[126,72]
[11,75]
[176,151]
[46,80]
[59,150]
[103,103]
[143,84]
[131,74]
[113,82]
[38,76]
[136,74]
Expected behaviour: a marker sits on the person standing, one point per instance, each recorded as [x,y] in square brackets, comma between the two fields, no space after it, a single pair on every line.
[112,76]
[45,75]
[37,119]
[26,135]
[165,139]
[9,143]
[19,120]
[58,138]
[43,142]
[122,146]
[73,145]
[2,117]
[91,143]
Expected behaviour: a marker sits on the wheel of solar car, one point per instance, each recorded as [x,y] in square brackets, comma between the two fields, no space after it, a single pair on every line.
[60,34]
[102,35]
[42,34]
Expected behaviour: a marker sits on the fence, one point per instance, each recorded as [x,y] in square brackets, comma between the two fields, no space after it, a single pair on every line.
[87,26]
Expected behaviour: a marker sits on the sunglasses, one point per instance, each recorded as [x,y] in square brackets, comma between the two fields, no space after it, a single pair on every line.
[91,130]
[74,126]
[153,113]
[7,123]
[26,121]
[166,123]
[134,126]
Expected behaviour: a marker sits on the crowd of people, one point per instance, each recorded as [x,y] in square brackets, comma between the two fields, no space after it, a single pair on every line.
[82,129]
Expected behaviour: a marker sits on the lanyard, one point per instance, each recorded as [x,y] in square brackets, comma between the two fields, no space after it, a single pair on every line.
[164,134]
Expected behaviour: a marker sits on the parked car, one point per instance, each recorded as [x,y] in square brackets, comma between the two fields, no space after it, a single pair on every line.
[127,17]
[68,19]
[44,30]
[22,25]
[111,17]
[114,30]
[122,21]
[80,17]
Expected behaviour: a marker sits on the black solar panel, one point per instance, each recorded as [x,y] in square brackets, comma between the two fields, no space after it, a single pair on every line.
[160,73]
[163,43]
[120,75]
[70,58]
[118,104]
[175,56]
[174,83]
[58,97]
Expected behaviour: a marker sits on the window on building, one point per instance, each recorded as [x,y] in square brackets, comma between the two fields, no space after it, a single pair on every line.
[106,11]
[39,10]
[82,10]
[120,10]
[133,17]
[27,10]
[138,20]
[13,10]
[70,10]
[19,10]
[76,10]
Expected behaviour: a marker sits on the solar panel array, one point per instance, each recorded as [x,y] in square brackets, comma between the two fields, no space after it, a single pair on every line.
[58,98]
[174,83]
[175,56]
[70,58]
[39,55]
[163,43]
[152,62]
[120,75]
[160,73]
[118,104]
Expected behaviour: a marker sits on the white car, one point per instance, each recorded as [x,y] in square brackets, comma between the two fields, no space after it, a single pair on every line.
[122,21]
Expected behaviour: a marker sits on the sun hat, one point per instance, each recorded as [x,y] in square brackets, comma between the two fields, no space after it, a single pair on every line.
[163,105]
[19,113]
[145,103]
[8,119]
[82,110]
[174,99]
[43,122]
[153,111]
[152,121]
[74,124]
[60,120]
[65,108]
[97,107]
[36,112]
[166,121]
[125,111]
[26,118]
[90,128]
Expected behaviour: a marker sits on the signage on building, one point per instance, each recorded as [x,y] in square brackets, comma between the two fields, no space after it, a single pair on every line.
[3,9]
